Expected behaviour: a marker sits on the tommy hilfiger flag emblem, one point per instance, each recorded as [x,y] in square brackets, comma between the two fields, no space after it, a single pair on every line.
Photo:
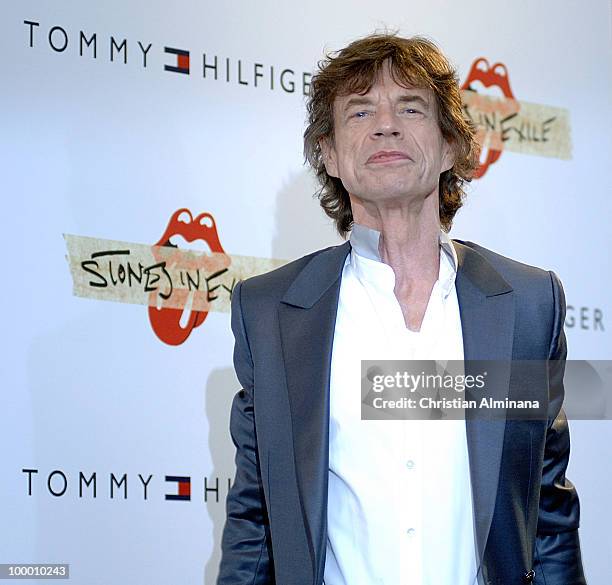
[184,487]
[182,60]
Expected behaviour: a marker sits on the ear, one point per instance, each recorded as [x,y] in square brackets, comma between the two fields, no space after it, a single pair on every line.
[448,156]
[330,158]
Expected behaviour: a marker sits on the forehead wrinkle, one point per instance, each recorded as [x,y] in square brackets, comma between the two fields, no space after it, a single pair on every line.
[359,100]
[412,97]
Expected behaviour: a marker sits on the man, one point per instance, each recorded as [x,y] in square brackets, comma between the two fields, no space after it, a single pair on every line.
[323,496]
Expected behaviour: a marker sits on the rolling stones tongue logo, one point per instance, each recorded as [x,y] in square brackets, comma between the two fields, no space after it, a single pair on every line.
[489,76]
[167,321]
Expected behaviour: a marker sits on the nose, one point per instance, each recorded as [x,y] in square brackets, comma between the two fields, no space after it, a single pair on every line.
[386,124]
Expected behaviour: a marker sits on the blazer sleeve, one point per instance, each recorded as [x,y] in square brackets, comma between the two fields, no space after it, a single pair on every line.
[557,556]
[245,544]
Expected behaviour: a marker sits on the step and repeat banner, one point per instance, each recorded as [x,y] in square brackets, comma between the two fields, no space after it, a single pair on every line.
[138,137]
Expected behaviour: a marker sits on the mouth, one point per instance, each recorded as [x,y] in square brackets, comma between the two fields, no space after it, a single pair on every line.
[387,156]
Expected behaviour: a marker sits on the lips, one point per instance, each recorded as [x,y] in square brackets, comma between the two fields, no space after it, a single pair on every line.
[387,156]
[166,321]
[490,76]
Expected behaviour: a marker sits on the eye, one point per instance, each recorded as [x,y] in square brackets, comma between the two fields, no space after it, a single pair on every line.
[411,111]
[360,114]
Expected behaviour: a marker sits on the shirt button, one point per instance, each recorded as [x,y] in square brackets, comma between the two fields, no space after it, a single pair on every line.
[410,464]
[410,531]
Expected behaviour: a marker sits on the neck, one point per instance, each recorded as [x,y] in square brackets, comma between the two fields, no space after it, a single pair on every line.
[409,240]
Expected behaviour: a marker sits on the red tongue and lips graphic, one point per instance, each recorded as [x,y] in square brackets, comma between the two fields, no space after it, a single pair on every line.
[490,76]
[166,321]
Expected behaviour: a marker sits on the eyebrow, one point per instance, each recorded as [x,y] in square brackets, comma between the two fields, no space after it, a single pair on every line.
[366,101]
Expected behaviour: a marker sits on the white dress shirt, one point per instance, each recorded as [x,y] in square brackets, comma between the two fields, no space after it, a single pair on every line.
[399,499]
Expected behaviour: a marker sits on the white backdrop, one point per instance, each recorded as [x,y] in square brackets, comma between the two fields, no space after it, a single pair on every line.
[108,148]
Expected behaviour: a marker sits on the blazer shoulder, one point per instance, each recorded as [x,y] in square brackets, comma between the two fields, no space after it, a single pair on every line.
[272,285]
[540,301]
[519,275]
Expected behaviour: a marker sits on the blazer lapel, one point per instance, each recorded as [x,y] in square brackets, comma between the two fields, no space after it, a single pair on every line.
[486,304]
[307,317]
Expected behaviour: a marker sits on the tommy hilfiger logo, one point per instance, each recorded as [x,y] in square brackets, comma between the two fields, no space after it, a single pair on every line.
[94,485]
[182,60]
[212,67]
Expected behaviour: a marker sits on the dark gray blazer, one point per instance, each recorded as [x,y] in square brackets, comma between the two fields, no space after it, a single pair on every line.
[526,512]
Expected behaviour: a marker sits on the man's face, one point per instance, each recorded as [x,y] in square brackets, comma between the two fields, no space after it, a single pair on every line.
[387,145]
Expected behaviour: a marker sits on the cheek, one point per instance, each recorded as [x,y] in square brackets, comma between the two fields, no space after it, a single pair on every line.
[432,152]
[346,162]
[331,167]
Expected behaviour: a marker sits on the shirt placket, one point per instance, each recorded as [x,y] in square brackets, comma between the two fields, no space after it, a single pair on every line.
[410,473]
